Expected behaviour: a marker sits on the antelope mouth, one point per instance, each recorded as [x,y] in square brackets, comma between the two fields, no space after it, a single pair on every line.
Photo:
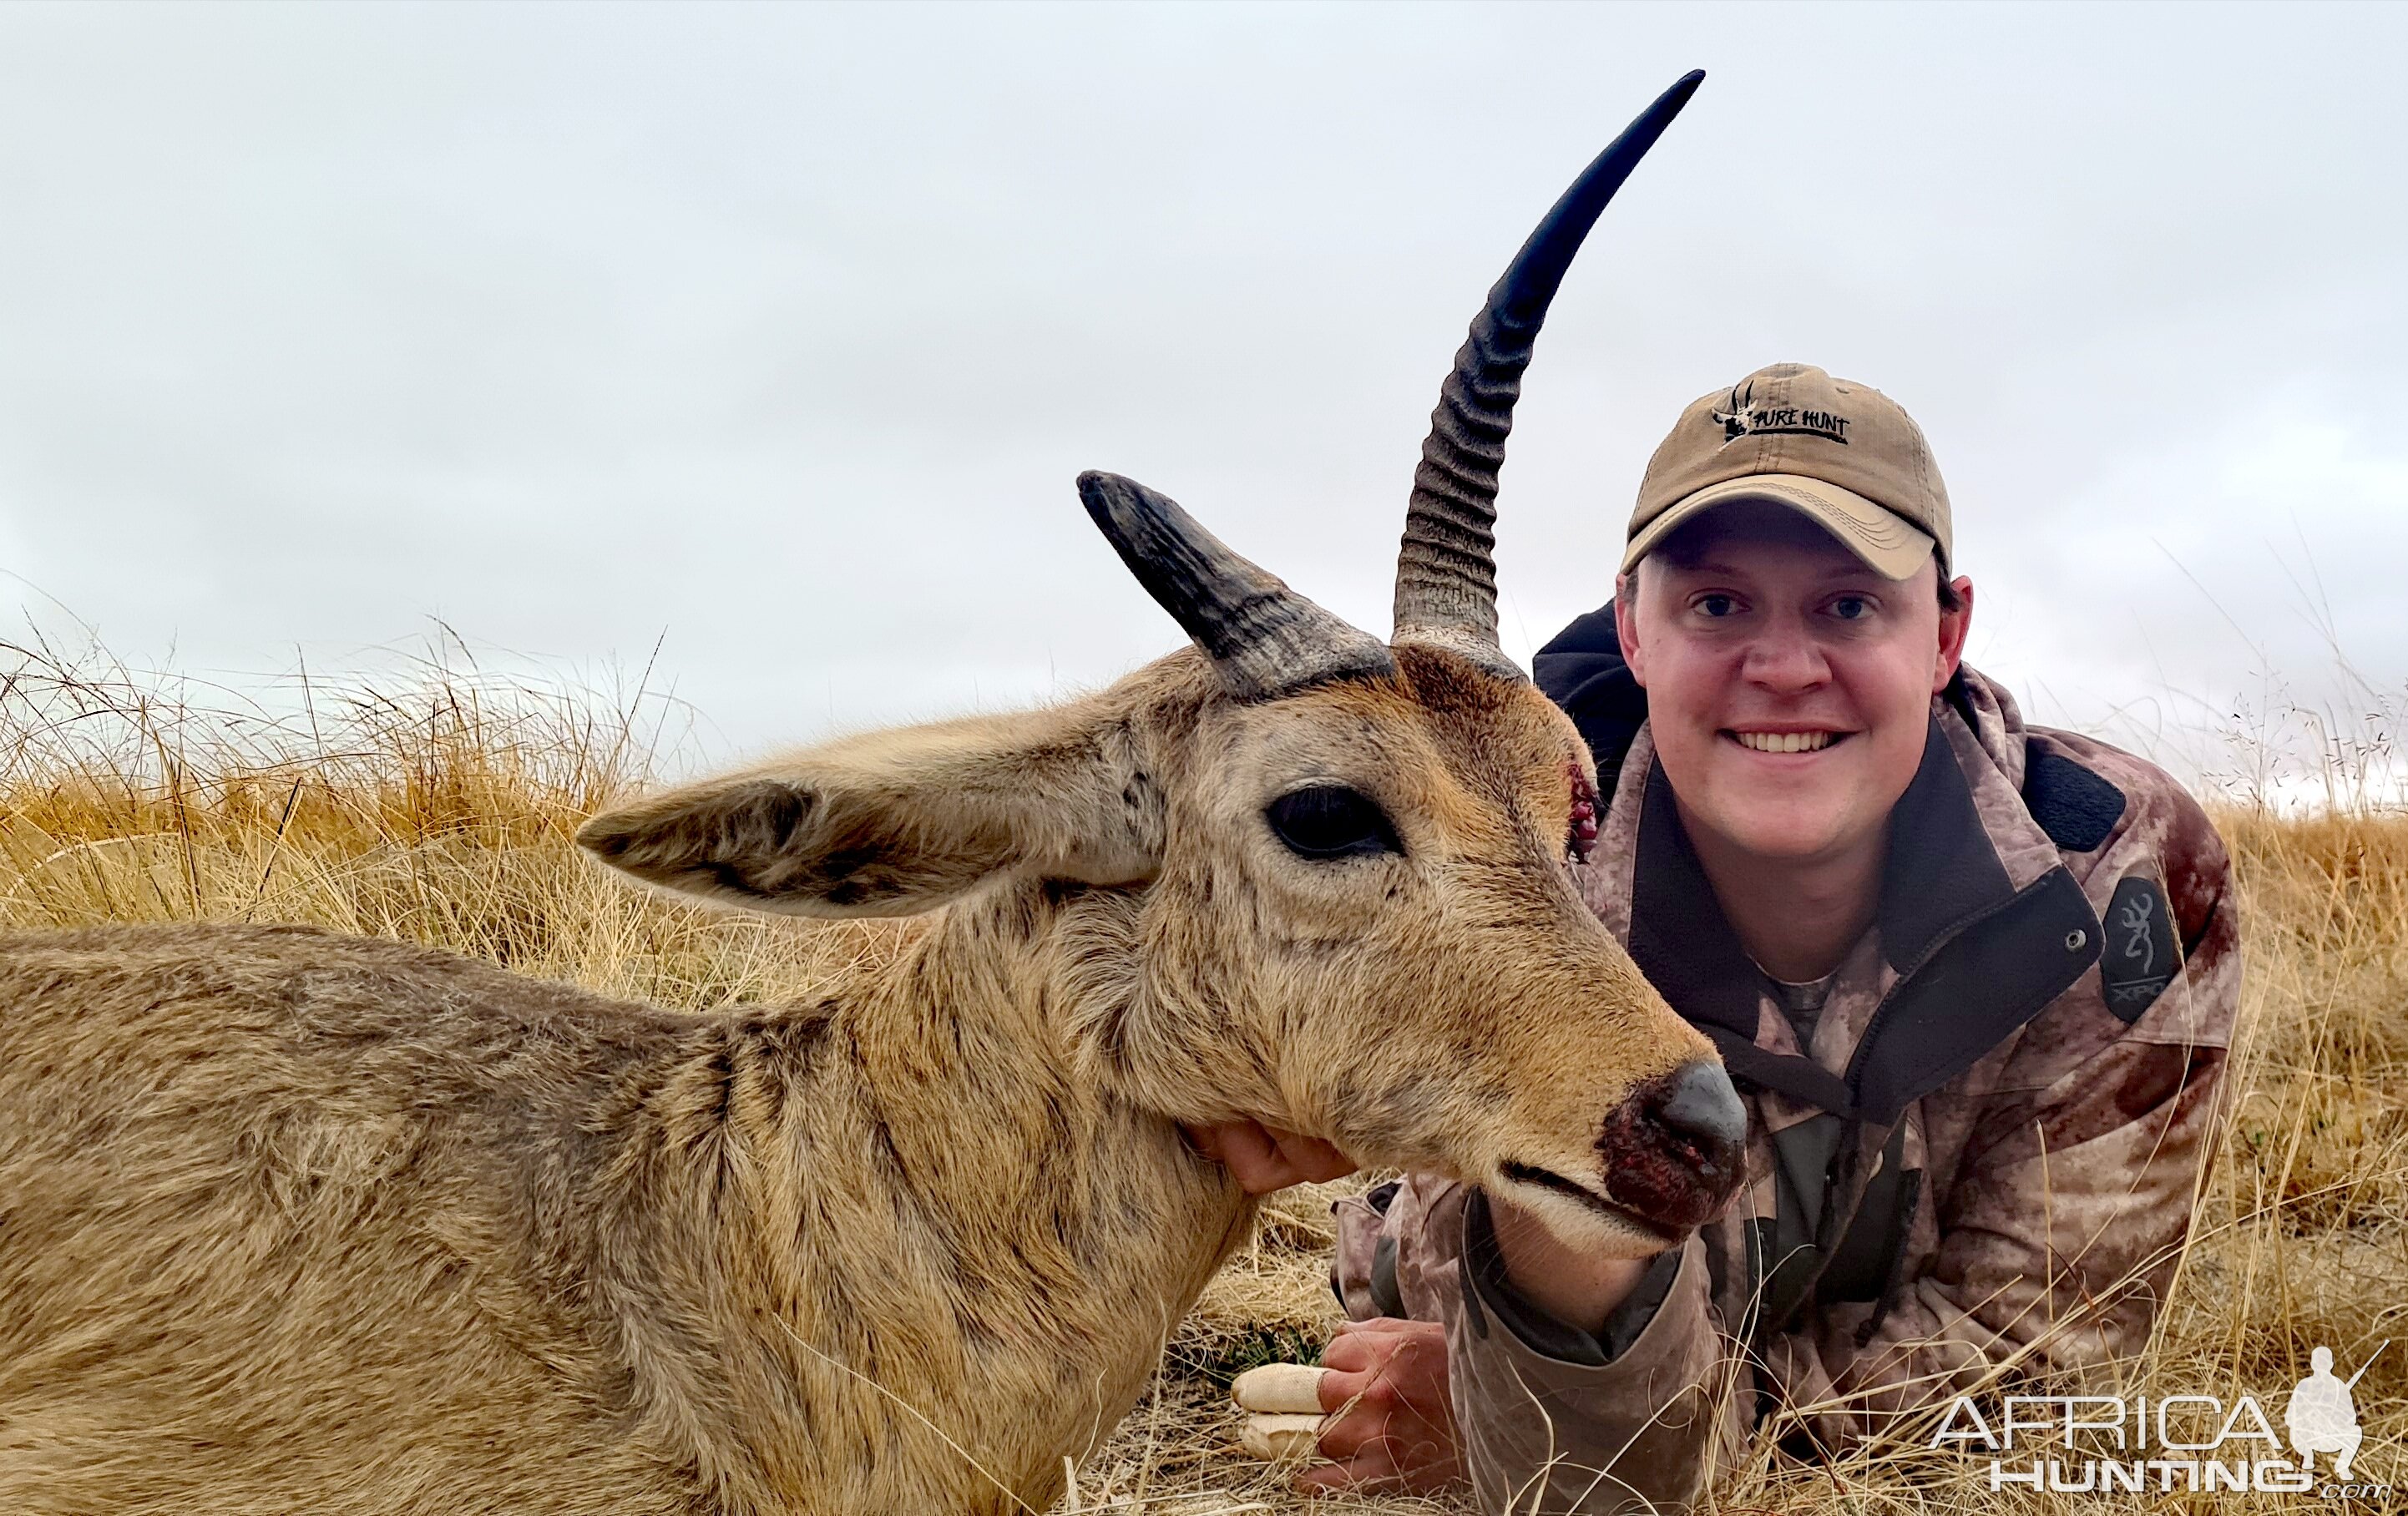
[1547,1178]
[1786,742]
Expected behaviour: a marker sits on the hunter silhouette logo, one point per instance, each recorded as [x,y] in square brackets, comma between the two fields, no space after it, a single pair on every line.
[1741,417]
[2322,1417]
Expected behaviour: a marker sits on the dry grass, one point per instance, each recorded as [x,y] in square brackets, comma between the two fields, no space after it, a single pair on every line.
[438,808]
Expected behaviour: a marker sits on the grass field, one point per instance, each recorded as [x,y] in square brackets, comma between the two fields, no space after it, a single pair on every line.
[438,808]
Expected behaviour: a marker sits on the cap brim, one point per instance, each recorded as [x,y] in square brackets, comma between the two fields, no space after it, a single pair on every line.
[1890,545]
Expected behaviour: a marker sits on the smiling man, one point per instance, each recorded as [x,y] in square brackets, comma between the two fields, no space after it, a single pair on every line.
[1975,978]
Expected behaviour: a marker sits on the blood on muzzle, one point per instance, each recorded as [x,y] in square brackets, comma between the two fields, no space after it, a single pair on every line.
[1676,1151]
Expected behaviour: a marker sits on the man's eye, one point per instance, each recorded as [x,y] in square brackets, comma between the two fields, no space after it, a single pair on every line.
[1716,605]
[1850,607]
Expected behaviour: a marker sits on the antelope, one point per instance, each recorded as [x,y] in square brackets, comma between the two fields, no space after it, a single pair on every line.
[292,1222]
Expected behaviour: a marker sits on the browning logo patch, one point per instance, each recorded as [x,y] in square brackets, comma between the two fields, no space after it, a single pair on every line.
[2139,958]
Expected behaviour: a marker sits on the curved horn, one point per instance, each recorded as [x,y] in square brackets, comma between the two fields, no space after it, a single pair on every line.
[1446,574]
[1264,637]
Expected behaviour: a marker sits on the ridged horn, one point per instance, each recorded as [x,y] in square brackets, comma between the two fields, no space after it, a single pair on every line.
[1446,573]
[1264,638]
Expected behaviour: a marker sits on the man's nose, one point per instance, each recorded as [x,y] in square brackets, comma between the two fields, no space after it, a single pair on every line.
[1676,1151]
[1786,661]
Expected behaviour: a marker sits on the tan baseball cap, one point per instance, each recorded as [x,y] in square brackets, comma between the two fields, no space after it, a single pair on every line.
[1842,454]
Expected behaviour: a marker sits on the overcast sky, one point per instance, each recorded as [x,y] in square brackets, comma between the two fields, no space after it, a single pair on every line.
[782,331]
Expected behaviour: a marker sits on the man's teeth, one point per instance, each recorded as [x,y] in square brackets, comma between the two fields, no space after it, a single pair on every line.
[1785,741]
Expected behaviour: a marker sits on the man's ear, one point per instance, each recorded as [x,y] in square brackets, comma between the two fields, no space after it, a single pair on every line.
[1625,624]
[898,822]
[1955,626]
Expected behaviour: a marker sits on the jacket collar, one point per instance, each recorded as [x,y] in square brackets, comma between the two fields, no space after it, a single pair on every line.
[1980,922]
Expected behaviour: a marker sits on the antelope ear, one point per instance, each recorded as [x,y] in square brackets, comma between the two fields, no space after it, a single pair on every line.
[898,823]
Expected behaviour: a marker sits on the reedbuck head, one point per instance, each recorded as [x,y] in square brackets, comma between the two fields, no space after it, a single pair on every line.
[1294,873]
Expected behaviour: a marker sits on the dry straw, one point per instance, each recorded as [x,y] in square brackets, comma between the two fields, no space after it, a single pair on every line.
[436,806]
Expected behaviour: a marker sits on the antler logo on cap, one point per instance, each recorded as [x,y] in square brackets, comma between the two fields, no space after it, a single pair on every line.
[1740,418]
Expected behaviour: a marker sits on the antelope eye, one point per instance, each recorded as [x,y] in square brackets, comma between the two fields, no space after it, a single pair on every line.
[1330,820]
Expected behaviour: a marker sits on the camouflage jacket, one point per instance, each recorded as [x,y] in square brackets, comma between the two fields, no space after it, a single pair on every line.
[1989,1147]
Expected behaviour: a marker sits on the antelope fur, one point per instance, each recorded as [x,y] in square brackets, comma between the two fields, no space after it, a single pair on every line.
[356,1226]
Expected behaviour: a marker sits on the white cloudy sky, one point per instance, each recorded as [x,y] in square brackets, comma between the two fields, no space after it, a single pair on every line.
[782,332]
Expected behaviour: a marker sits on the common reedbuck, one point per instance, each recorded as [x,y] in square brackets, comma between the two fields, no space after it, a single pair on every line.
[297,1223]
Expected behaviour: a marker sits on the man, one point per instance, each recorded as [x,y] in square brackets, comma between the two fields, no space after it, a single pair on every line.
[1976,979]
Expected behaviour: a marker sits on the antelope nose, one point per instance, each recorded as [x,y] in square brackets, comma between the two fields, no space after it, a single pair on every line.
[1676,1151]
[1701,1106]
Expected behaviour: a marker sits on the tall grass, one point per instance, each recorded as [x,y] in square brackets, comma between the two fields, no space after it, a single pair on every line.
[434,807]
[438,808]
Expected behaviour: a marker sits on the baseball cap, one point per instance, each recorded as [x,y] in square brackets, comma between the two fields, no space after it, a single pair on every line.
[1842,454]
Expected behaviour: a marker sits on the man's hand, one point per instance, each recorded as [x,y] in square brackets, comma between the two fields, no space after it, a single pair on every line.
[1262,1158]
[1399,1432]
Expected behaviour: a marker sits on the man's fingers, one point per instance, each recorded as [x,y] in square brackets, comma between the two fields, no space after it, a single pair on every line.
[1251,1155]
[1273,1439]
[1364,1346]
[1244,1145]
[1387,1346]
[1349,1432]
[1382,1388]
[1353,1354]
[1311,1158]
[1263,1159]
[1206,1140]
[1280,1389]
[1340,1389]
[1260,1160]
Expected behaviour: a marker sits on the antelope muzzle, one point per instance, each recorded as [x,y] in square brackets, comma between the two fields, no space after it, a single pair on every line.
[1675,1153]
